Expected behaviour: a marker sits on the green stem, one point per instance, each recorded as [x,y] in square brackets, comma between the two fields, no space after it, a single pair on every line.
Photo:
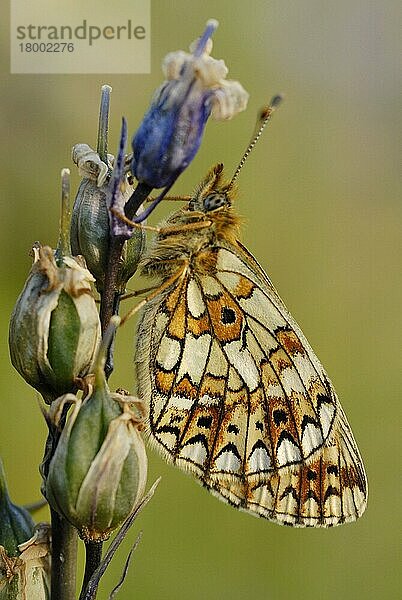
[93,557]
[110,294]
[103,128]
[63,247]
[64,558]
[140,194]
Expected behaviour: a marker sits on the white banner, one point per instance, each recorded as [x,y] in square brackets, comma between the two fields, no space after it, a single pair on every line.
[65,36]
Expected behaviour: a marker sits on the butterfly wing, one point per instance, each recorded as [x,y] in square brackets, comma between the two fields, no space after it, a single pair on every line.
[238,396]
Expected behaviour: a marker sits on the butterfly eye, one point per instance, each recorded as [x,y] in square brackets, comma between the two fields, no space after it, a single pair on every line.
[214,201]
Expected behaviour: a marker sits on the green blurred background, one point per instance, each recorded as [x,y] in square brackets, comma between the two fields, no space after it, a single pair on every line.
[321,197]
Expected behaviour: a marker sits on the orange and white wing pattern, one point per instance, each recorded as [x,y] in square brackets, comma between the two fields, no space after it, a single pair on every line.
[238,397]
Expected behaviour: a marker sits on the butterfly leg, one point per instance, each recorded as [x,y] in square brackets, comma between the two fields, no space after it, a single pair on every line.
[123,218]
[165,285]
[187,227]
[163,230]
[137,293]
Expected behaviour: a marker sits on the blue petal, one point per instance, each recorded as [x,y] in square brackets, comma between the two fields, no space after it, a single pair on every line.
[168,139]
[115,198]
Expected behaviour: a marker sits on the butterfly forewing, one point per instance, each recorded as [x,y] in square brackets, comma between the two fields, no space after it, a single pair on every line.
[237,396]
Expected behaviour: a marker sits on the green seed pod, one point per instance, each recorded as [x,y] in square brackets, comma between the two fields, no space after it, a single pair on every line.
[90,220]
[16,524]
[90,234]
[98,473]
[54,328]
[27,576]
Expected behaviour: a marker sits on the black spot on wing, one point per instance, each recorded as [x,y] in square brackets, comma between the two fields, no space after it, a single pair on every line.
[198,439]
[311,475]
[289,490]
[228,315]
[330,491]
[308,420]
[332,470]
[169,429]
[280,416]
[311,495]
[205,421]
[285,435]
[259,444]
[323,399]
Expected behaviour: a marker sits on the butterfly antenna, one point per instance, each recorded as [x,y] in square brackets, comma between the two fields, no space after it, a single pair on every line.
[263,119]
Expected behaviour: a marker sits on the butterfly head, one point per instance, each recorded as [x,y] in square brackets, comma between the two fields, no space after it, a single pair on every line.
[213,193]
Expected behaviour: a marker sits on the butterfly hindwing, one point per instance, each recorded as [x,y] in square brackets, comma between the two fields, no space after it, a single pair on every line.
[329,489]
[238,396]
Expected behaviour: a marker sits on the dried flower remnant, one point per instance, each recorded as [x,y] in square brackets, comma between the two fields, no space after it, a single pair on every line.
[90,165]
[24,551]
[171,131]
[27,576]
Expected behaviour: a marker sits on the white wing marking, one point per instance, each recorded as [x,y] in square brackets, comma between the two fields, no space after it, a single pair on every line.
[194,358]
[311,438]
[168,353]
[259,460]
[195,302]
[195,452]
[228,461]
[243,362]
[287,452]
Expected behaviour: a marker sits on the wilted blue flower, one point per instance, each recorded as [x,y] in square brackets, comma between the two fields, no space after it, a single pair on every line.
[171,131]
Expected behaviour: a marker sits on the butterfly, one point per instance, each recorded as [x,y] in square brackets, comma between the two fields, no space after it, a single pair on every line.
[234,391]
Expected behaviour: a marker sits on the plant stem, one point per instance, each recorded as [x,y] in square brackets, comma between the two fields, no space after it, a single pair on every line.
[64,535]
[103,127]
[110,297]
[140,194]
[93,557]
[64,558]
[64,247]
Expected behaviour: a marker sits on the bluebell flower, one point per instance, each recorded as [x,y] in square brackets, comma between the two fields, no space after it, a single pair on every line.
[171,131]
